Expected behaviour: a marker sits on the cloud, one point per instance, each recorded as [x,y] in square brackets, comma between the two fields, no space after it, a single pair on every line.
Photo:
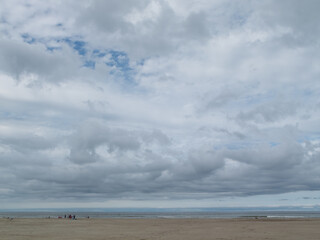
[147,100]
[23,60]
[300,20]
[95,13]
[271,111]
[93,134]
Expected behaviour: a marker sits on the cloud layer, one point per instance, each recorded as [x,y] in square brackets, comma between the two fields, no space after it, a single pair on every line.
[147,100]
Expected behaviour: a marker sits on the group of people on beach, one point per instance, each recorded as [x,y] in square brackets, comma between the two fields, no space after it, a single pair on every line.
[73,217]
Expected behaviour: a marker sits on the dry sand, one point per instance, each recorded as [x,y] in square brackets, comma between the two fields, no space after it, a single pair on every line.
[143,229]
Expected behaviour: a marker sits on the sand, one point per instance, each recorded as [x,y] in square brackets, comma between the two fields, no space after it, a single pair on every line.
[143,229]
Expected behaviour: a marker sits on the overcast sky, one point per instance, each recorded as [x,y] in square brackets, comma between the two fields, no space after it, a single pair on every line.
[176,103]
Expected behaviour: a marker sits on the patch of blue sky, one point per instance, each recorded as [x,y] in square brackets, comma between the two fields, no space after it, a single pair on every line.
[125,78]
[28,38]
[90,64]
[120,61]
[98,53]
[51,49]
[78,45]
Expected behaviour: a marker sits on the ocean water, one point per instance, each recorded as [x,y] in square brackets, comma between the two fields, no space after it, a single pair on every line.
[151,213]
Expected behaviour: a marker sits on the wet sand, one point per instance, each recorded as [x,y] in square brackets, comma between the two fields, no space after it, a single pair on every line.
[143,229]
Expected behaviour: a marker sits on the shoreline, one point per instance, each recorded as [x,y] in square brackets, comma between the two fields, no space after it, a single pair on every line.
[171,229]
[165,215]
[167,218]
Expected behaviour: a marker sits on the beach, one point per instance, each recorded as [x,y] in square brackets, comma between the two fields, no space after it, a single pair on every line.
[144,229]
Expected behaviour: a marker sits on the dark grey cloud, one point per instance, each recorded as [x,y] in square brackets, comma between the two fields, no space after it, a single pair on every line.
[144,28]
[108,16]
[91,135]
[275,169]
[300,18]
[197,26]
[20,59]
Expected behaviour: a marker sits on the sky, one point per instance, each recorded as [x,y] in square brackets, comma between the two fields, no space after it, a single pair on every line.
[159,103]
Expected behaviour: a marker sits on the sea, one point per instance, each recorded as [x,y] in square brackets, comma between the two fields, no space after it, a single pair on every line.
[202,213]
